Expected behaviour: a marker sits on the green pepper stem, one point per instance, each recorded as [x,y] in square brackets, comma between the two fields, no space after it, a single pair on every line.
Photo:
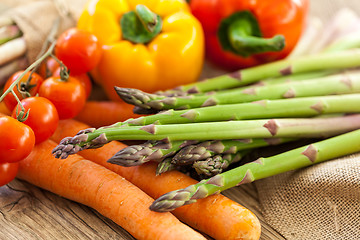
[140,25]
[240,33]
[242,41]
[147,17]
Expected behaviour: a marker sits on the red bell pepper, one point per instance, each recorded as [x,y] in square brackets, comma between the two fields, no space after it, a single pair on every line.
[245,33]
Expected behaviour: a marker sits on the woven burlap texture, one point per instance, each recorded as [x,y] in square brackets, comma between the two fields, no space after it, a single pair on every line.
[319,202]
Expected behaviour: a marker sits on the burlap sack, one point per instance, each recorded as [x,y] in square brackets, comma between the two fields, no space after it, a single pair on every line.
[322,201]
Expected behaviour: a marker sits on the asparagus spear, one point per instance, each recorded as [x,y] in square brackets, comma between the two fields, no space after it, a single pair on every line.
[329,85]
[294,107]
[216,164]
[262,168]
[165,165]
[151,150]
[277,80]
[264,128]
[203,150]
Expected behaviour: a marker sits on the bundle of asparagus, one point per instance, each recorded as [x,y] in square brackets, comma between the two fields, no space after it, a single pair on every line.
[211,125]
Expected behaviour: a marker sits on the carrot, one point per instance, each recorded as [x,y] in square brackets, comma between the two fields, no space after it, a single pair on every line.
[103,113]
[217,215]
[111,195]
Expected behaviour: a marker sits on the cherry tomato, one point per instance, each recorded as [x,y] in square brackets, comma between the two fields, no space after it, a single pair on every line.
[43,117]
[8,172]
[35,82]
[17,140]
[48,67]
[68,96]
[79,50]
[82,77]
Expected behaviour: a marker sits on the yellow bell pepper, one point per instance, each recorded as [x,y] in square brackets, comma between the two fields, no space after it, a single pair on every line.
[173,55]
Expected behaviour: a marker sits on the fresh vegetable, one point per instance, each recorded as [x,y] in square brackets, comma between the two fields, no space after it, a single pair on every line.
[68,95]
[108,193]
[104,113]
[17,140]
[83,78]
[48,67]
[202,215]
[246,33]
[329,85]
[216,164]
[262,128]
[261,168]
[43,117]
[79,50]
[184,152]
[27,86]
[168,54]
[135,155]
[165,165]
[8,172]
[279,108]
[206,149]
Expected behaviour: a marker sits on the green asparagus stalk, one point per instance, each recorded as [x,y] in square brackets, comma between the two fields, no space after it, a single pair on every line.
[292,107]
[203,150]
[264,82]
[151,150]
[165,165]
[262,168]
[216,164]
[263,128]
[322,61]
[329,85]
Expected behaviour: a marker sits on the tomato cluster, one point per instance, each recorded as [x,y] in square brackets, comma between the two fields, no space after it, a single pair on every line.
[58,90]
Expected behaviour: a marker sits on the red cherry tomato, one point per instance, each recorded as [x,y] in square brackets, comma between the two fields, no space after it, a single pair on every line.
[43,117]
[82,77]
[17,140]
[48,67]
[8,172]
[35,82]
[68,96]
[79,50]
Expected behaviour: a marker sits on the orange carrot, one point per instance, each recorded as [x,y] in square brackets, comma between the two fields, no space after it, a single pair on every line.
[217,215]
[111,195]
[103,113]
